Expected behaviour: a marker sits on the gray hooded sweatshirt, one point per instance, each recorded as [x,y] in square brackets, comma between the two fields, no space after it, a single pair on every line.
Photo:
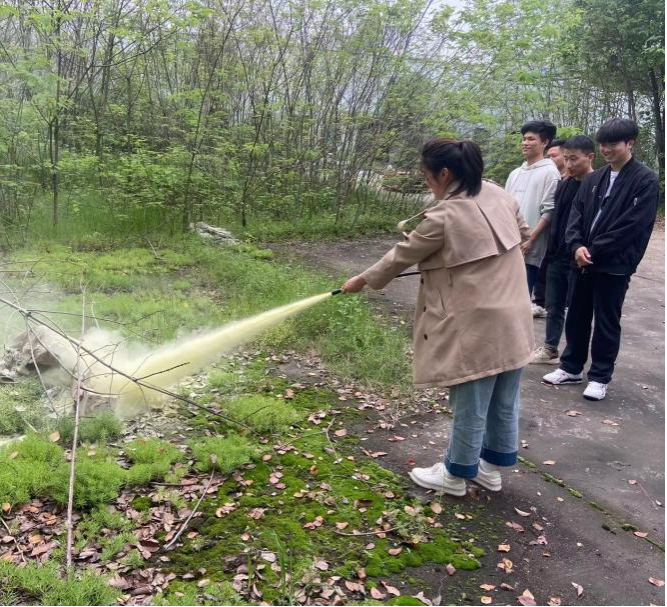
[534,187]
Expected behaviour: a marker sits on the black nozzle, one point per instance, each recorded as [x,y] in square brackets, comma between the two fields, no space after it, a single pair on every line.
[336,291]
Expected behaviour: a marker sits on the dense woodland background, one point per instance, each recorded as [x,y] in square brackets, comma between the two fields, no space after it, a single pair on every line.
[136,115]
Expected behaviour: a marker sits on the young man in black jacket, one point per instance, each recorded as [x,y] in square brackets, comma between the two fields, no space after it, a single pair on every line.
[578,153]
[608,230]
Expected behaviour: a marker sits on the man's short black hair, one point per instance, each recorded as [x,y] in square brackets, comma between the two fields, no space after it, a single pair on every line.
[580,142]
[556,143]
[545,129]
[616,130]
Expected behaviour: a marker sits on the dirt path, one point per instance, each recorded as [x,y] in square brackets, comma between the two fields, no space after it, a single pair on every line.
[608,477]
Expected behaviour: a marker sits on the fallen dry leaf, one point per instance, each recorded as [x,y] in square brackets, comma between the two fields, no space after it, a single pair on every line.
[395,551]
[391,589]
[341,526]
[460,516]
[521,512]
[450,569]
[503,548]
[610,422]
[436,507]
[580,589]
[340,433]
[656,582]
[549,462]
[632,482]
[486,600]
[54,437]
[420,597]
[641,533]
[505,586]
[321,565]
[377,594]
[487,587]
[506,565]
[528,594]
[554,601]
[573,413]
[515,526]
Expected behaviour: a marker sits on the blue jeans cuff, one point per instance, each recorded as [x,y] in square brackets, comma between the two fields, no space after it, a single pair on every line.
[497,458]
[461,470]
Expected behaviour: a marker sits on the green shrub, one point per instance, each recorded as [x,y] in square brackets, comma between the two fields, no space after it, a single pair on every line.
[142,474]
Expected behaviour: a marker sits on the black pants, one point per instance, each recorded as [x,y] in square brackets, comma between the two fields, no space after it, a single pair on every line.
[557,299]
[539,291]
[600,296]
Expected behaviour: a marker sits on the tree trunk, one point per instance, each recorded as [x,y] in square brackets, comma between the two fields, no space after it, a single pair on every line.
[659,116]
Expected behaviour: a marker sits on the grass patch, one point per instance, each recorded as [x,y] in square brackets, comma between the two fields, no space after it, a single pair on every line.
[134,288]
[42,585]
[223,454]
[21,407]
[98,428]
[262,413]
[37,468]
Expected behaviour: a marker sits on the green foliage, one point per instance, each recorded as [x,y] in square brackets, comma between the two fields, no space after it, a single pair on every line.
[98,428]
[36,467]
[27,468]
[263,413]
[97,481]
[189,594]
[229,453]
[21,407]
[44,586]
[152,451]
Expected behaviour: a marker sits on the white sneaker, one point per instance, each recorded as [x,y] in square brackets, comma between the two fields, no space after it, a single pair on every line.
[544,356]
[559,377]
[538,311]
[437,477]
[595,390]
[488,476]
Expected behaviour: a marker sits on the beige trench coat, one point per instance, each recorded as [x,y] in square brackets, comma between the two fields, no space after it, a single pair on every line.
[473,316]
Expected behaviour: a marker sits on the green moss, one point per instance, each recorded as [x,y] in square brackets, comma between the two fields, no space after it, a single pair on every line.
[187,593]
[27,469]
[229,453]
[21,407]
[103,427]
[44,586]
[141,503]
[311,486]
[404,600]
[96,482]
[151,451]
[263,413]
[575,493]
[552,479]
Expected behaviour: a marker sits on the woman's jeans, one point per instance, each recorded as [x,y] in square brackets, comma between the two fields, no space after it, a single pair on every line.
[486,423]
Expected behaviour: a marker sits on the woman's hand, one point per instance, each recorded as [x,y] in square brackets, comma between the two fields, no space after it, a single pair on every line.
[354,284]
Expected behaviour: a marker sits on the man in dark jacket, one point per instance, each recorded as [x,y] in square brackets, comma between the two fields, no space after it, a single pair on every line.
[578,153]
[610,224]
